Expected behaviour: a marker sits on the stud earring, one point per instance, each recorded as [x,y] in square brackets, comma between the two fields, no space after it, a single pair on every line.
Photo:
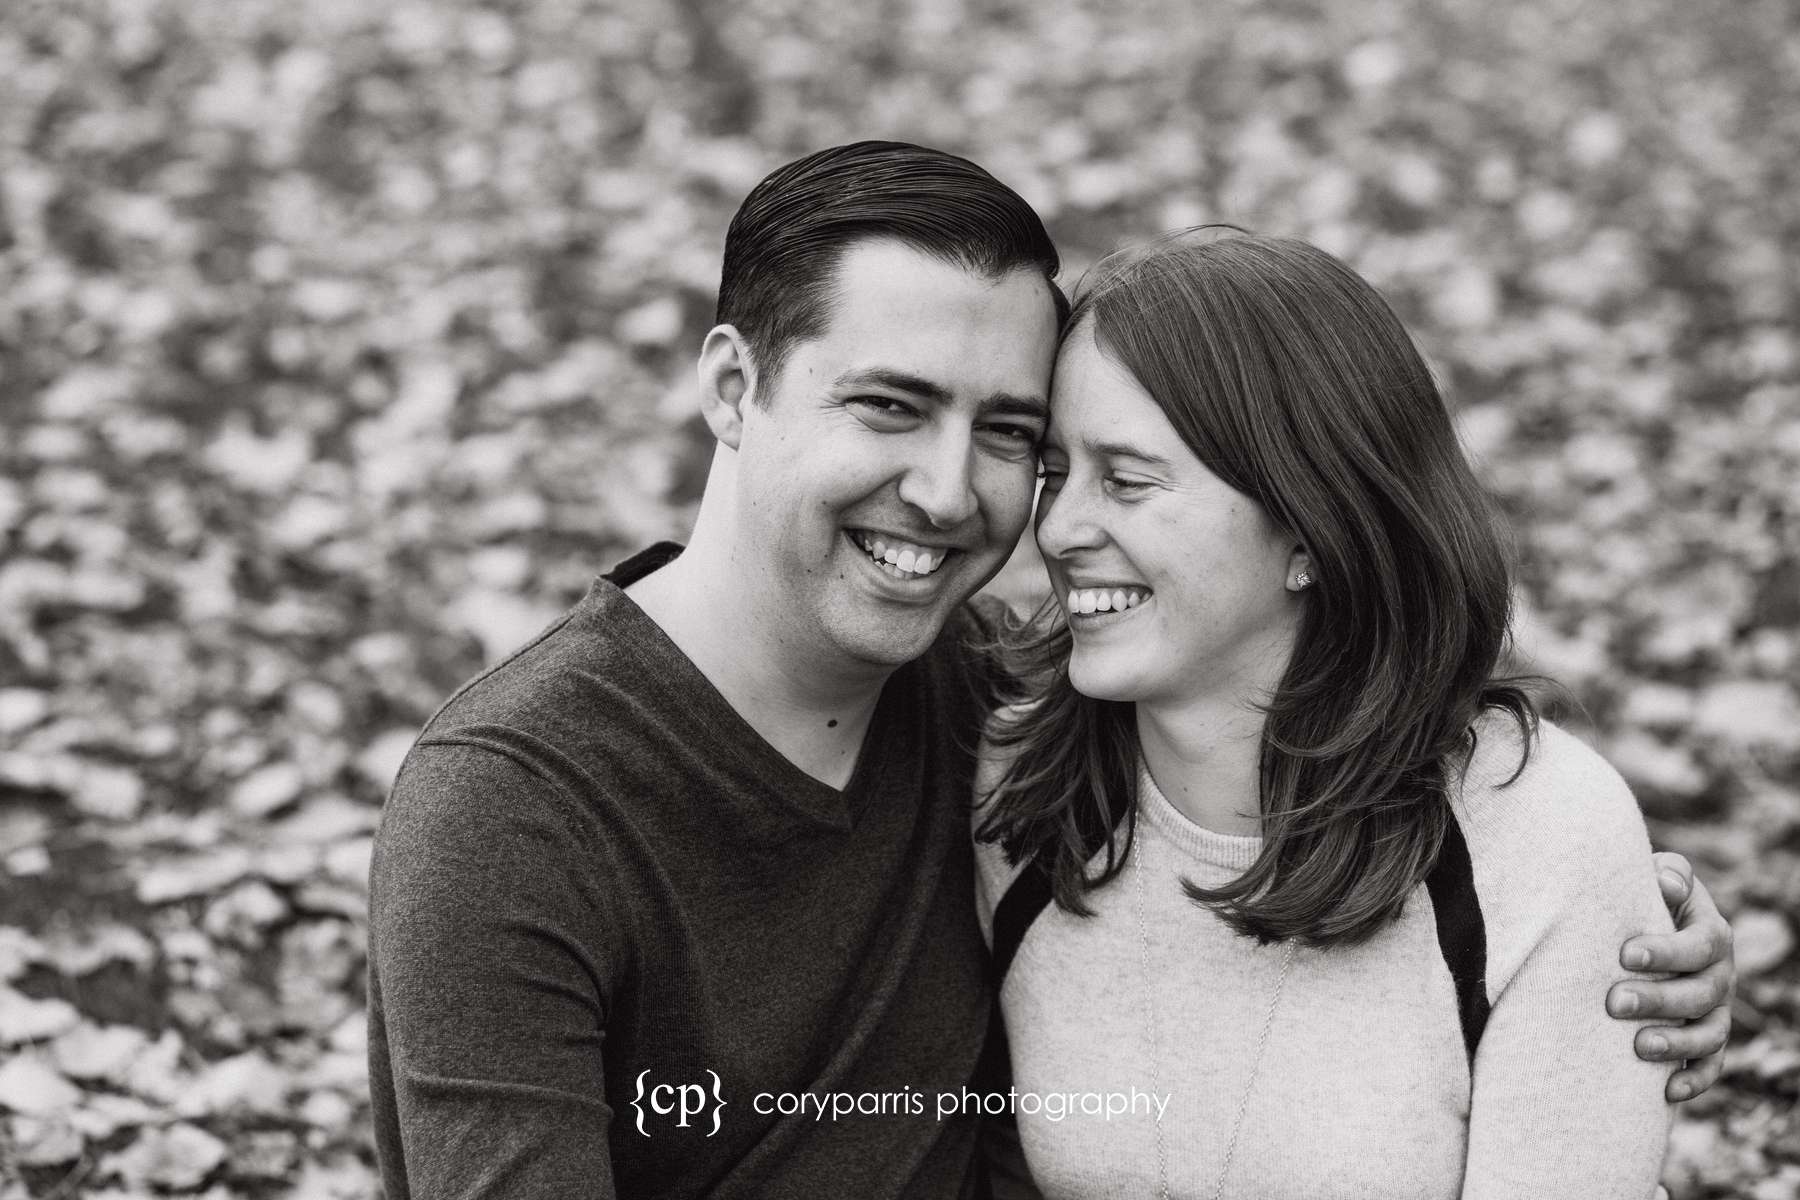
[1302,581]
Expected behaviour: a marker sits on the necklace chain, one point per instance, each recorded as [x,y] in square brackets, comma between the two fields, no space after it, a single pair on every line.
[1152,1038]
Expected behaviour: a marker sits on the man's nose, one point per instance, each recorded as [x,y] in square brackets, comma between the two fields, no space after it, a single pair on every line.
[941,482]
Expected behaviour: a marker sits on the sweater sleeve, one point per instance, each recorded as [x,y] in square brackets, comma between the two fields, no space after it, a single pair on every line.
[488,983]
[1561,1104]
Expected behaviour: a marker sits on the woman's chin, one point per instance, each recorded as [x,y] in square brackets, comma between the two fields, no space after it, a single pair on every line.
[1102,680]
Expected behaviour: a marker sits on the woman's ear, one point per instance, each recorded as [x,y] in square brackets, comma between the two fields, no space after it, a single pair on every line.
[1300,570]
[727,381]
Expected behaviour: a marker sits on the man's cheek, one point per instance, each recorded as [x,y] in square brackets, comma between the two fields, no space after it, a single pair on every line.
[1007,490]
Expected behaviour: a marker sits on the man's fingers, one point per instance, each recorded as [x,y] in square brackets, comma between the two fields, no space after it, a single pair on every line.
[1695,947]
[1675,889]
[1675,875]
[1686,998]
[1685,1085]
[1693,1041]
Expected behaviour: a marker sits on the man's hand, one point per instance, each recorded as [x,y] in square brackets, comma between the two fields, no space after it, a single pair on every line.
[1698,955]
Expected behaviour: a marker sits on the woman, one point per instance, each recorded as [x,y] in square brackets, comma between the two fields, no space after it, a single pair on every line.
[1349,904]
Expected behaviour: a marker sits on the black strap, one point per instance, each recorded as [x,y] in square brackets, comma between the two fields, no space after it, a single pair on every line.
[1027,896]
[1461,932]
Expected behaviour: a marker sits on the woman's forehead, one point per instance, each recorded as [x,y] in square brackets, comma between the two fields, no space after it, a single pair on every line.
[1091,393]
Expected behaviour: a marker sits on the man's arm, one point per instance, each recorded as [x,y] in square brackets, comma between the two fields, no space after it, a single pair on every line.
[1558,1106]
[490,974]
[1698,957]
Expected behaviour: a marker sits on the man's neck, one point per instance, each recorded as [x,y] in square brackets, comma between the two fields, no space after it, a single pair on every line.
[815,714]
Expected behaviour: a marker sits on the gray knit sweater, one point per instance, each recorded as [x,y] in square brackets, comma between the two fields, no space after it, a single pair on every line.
[1365,1087]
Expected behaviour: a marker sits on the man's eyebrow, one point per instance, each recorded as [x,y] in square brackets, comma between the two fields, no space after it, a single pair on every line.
[1001,403]
[1124,450]
[901,381]
[1006,404]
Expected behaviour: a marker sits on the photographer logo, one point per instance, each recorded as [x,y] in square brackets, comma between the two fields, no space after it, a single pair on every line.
[683,1101]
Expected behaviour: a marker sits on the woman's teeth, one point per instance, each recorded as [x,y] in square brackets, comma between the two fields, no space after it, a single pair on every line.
[904,558]
[1092,600]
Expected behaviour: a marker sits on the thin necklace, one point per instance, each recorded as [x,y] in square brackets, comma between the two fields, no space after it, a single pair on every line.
[1153,1037]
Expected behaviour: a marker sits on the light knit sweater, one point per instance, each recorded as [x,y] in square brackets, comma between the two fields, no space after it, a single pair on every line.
[1364,1089]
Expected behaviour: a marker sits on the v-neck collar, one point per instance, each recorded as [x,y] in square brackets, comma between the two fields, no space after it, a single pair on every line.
[739,744]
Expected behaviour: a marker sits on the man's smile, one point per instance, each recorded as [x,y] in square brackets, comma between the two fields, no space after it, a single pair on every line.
[903,559]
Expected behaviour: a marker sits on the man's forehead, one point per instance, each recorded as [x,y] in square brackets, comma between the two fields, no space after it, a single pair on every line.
[885,273]
[901,313]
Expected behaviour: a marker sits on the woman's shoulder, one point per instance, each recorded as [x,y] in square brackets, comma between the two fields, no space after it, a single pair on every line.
[1558,832]
[1545,786]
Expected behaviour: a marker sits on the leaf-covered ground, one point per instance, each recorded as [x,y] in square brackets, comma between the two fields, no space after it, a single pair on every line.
[341,343]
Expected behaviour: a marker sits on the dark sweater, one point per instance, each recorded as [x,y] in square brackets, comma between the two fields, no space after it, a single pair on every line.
[594,878]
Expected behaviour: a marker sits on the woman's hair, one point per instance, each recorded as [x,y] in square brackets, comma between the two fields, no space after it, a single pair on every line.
[1293,381]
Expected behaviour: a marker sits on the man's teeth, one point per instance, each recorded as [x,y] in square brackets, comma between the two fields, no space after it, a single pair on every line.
[1091,600]
[904,557]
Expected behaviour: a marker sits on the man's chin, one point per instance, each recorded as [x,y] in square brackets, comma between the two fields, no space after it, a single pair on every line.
[890,643]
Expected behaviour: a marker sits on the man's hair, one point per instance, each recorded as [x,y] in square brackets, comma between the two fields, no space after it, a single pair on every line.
[785,242]
[1290,378]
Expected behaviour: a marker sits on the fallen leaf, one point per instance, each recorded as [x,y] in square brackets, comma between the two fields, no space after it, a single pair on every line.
[23,1019]
[1751,713]
[267,790]
[1761,941]
[348,861]
[21,708]
[105,1052]
[265,1154]
[196,875]
[76,952]
[242,914]
[44,1141]
[109,793]
[328,818]
[156,1073]
[29,1084]
[103,1114]
[245,1084]
[18,951]
[179,1157]
[380,760]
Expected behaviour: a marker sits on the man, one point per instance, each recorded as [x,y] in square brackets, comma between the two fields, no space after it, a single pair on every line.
[677,901]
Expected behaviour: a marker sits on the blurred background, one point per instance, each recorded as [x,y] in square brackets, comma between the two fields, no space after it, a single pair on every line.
[342,343]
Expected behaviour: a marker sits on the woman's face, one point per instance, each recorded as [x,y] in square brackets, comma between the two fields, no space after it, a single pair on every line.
[1130,516]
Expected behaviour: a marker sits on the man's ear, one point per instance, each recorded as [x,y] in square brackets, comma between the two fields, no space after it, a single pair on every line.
[727,383]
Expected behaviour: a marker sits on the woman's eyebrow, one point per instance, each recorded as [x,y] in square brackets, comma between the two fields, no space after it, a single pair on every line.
[1123,450]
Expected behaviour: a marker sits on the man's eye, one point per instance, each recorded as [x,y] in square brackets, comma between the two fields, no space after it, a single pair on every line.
[884,411]
[1023,434]
[1013,441]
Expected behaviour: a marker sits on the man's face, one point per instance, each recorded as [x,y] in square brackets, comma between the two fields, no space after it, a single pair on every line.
[886,473]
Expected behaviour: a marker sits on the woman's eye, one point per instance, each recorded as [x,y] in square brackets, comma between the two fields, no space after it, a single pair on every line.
[1120,483]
